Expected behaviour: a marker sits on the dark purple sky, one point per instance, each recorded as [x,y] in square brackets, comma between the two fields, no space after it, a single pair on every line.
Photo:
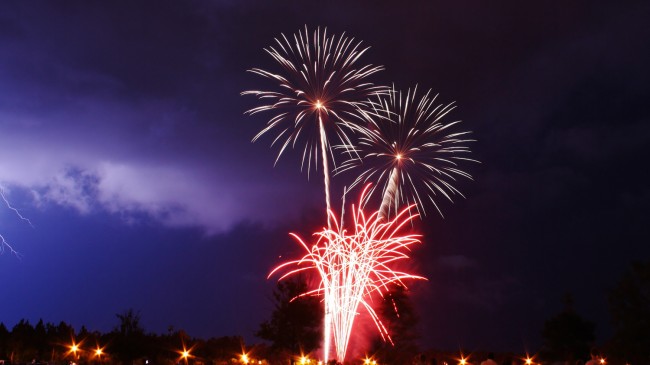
[123,139]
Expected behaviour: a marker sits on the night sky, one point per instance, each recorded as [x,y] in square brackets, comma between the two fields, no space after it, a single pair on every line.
[123,140]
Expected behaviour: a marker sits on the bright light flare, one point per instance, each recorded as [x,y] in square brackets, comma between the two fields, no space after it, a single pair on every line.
[529,360]
[369,361]
[355,263]
[75,348]
[463,360]
[185,353]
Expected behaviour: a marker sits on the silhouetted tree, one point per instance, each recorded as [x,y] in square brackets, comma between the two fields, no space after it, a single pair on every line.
[295,323]
[219,350]
[128,339]
[4,341]
[567,336]
[40,341]
[398,315]
[21,342]
[59,337]
[629,304]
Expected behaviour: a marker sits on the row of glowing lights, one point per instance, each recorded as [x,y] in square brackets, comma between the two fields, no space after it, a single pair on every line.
[304,360]
[74,348]
[99,351]
[528,360]
[369,361]
[185,354]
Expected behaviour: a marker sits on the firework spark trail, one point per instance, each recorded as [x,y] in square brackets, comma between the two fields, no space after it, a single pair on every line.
[355,265]
[409,151]
[320,88]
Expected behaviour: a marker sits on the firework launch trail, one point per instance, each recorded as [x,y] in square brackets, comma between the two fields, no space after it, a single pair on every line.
[355,262]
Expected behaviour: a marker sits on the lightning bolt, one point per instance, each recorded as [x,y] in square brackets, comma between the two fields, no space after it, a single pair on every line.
[14,209]
[3,241]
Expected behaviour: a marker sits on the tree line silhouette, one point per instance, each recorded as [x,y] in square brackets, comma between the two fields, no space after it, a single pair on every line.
[128,343]
[294,329]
